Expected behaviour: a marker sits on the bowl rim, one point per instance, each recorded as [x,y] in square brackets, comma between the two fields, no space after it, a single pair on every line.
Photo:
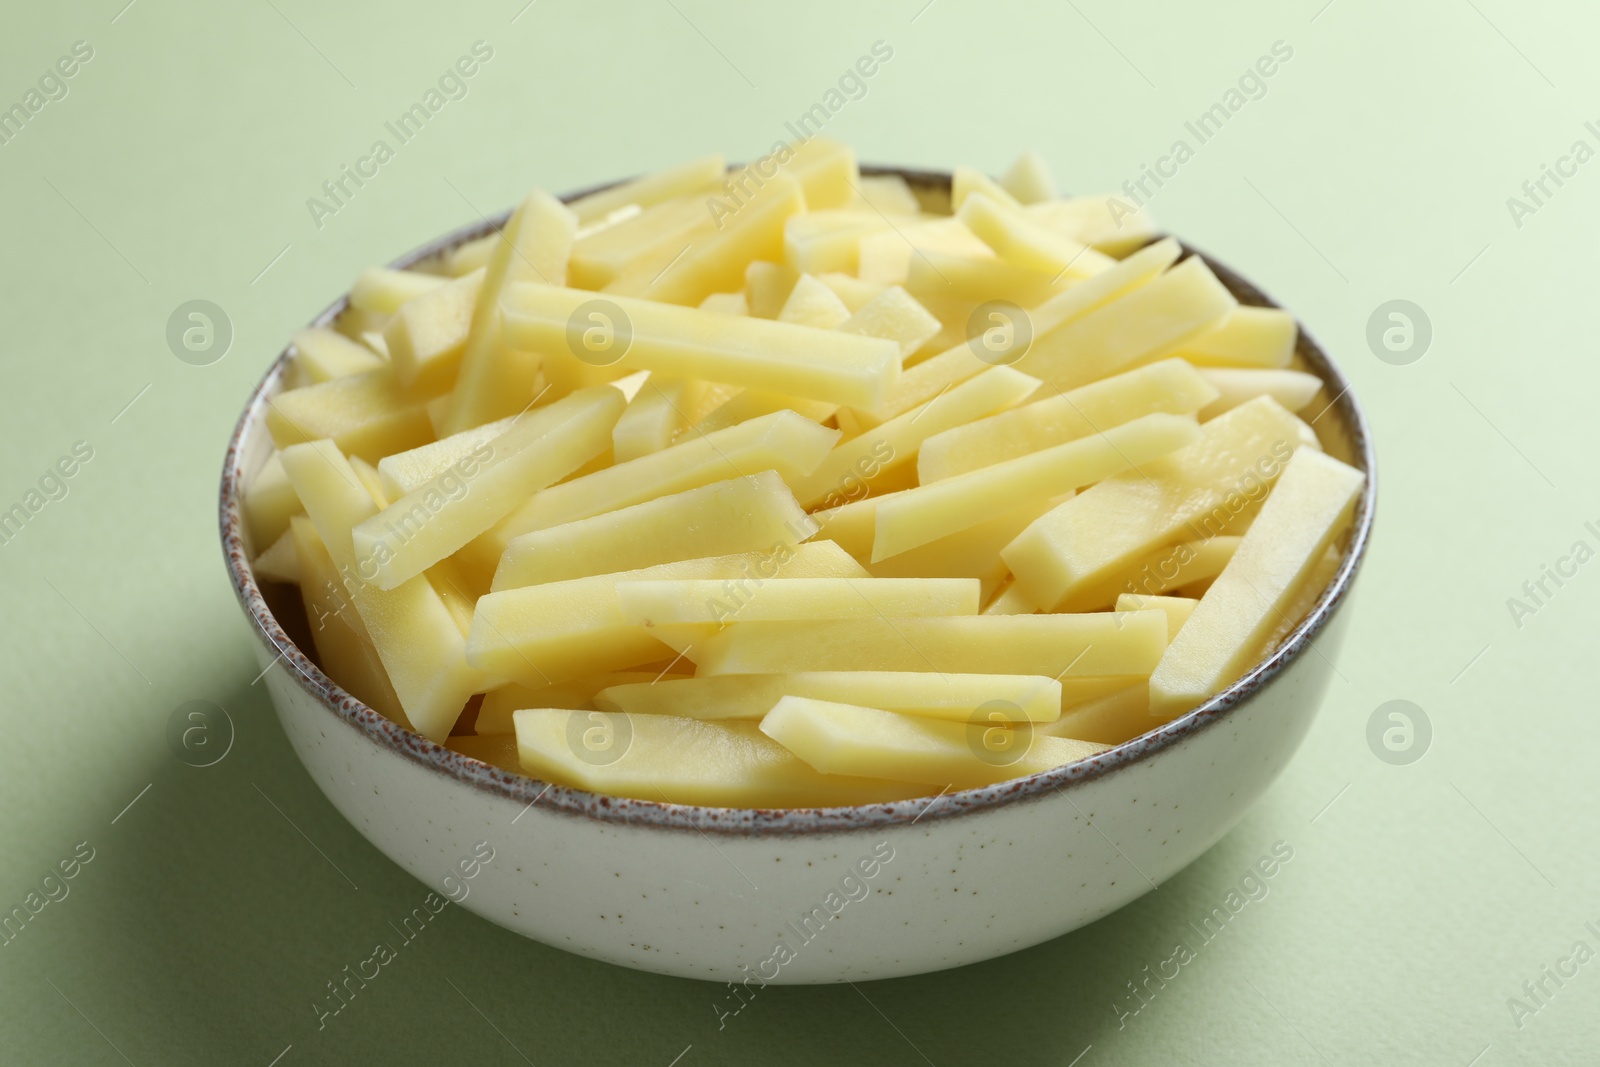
[572,801]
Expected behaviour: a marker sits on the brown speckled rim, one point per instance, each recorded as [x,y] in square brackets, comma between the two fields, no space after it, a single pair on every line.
[783,821]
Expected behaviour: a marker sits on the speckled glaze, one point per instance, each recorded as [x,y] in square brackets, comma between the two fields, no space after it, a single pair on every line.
[713,893]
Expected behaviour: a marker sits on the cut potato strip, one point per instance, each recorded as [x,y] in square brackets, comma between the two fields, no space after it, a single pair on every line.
[1109,720]
[1053,645]
[1248,337]
[928,512]
[1107,223]
[964,181]
[1018,239]
[1292,388]
[747,404]
[501,702]
[542,634]
[895,315]
[323,354]
[750,696]
[600,257]
[384,291]
[1170,386]
[412,630]
[668,602]
[767,286]
[368,415]
[893,443]
[653,418]
[1133,329]
[1106,527]
[344,650]
[927,379]
[725,304]
[432,522]
[268,504]
[886,257]
[428,333]
[888,193]
[783,441]
[844,739]
[938,274]
[1310,503]
[1168,568]
[686,342]
[403,472]
[684,761]
[697,176]
[1178,608]
[1011,600]
[279,562]
[818,241]
[1029,179]
[534,246]
[743,232]
[813,304]
[855,293]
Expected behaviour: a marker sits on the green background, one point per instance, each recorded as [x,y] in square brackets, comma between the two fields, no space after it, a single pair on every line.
[1376,167]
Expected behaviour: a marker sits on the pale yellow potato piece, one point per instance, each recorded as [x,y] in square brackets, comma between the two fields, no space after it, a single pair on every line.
[344,651]
[783,441]
[1137,327]
[818,241]
[534,247]
[1248,337]
[686,342]
[725,304]
[747,404]
[268,503]
[599,258]
[826,170]
[968,180]
[921,383]
[738,515]
[464,259]
[854,740]
[928,512]
[1053,645]
[501,702]
[750,696]
[322,354]
[855,293]
[1104,529]
[1017,238]
[434,521]
[742,233]
[975,279]
[1170,567]
[557,631]
[767,286]
[279,562]
[888,193]
[368,415]
[1029,179]
[412,630]
[1010,600]
[427,334]
[405,472]
[885,257]
[684,761]
[1309,505]
[1292,388]
[701,176]
[813,304]
[1111,719]
[896,315]
[1170,386]
[868,456]
[1178,608]
[1301,603]
[1108,223]
[655,415]
[673,601]
[382,291]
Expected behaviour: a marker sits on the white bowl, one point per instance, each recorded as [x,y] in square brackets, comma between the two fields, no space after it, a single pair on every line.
[805,895]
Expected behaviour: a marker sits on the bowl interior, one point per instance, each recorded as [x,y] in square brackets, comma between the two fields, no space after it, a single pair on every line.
[1337,418]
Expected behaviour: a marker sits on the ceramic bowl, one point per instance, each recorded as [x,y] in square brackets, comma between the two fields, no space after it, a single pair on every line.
[805,895]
